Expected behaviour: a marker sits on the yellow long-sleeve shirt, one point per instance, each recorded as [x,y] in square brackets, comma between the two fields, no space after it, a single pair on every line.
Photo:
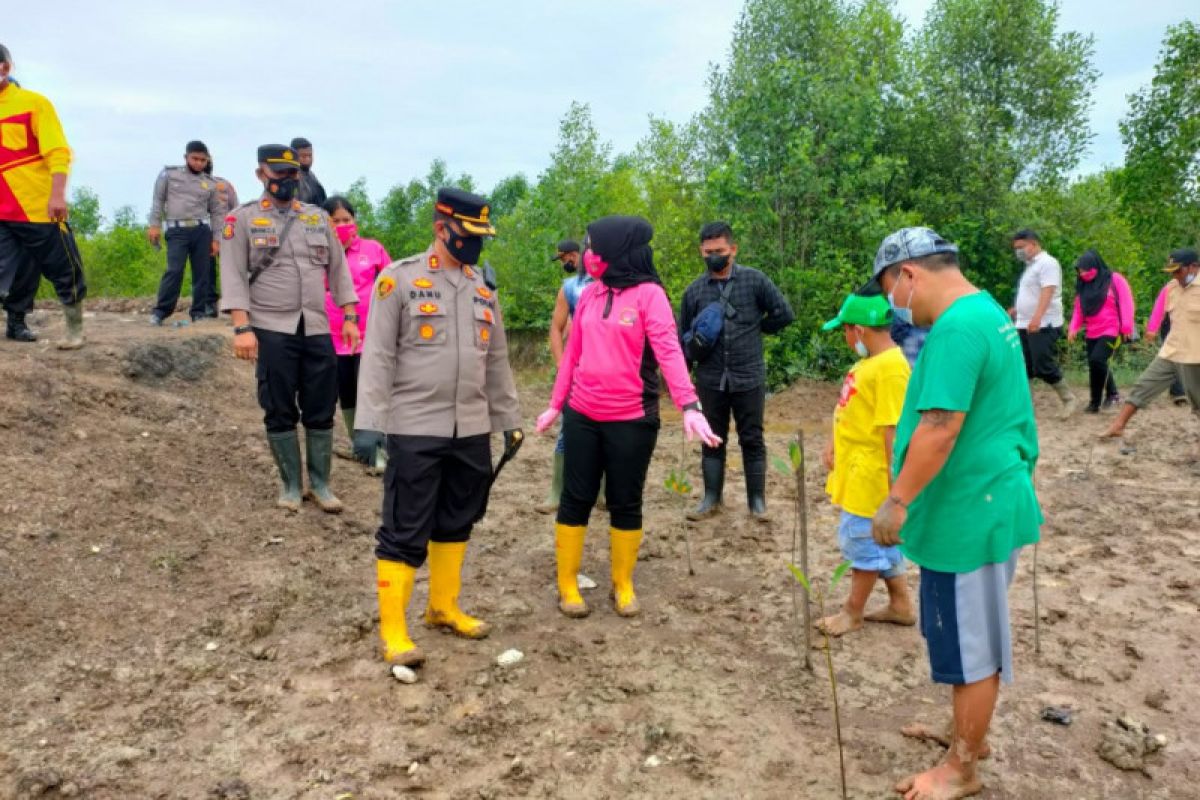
[32,148]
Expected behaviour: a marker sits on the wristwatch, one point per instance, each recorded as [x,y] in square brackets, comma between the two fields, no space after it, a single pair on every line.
[350,317]
[693,407]
[240,329]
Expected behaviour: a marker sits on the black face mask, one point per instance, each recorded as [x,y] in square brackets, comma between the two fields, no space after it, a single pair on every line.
[283,189]
[716,263]
[464,249]
[194,171]
[305,167]
[568,267]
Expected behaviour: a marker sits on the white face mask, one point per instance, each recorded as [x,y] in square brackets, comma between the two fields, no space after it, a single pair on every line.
[861,348]
[1021,253]
[1188,280]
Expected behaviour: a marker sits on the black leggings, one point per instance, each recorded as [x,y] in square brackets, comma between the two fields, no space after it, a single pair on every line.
[1099,351]
[347,368]
[620,451]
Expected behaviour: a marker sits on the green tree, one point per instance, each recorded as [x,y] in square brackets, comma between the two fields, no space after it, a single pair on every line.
[994,97]
[1159,185]
[85,212]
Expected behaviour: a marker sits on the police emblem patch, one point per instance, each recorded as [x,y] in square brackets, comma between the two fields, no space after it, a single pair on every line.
[426,331]
[385,287]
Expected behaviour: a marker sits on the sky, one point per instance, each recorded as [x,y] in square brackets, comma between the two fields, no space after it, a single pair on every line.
[382,88]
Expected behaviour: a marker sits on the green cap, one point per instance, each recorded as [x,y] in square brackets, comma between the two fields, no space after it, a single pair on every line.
[874,311]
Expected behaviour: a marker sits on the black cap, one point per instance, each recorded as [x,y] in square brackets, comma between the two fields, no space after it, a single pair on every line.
[278,157]
[471,210]
[565,246]
[196,146]
[1181,258]
[300,143]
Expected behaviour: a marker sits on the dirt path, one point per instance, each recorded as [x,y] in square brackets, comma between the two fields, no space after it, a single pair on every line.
[167,633]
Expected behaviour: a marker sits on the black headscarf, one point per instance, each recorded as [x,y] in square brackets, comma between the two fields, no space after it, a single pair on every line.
[1092,294]
[624,242]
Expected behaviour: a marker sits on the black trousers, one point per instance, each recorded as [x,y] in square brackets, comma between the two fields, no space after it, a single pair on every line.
[184,244]
[214,288]
[747,409]
[30,250]
[297,379]
[618,451]
[1041,354]
[1164,331]
[1099,351]
[347,378]
[433,490]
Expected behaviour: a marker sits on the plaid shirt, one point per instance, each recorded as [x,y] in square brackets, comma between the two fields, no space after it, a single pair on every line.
[736,364]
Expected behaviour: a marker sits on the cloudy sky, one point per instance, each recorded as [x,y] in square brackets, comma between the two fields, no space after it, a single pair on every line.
[382,88]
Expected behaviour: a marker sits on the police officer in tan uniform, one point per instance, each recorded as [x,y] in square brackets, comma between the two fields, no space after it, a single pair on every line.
[227,200]
[276,256]
[185,202]
[435,379]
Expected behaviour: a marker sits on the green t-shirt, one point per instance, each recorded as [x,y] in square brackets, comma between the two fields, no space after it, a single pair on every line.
[981,506]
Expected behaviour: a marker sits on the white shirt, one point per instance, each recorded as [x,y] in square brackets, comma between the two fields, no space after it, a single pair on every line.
[1042,271]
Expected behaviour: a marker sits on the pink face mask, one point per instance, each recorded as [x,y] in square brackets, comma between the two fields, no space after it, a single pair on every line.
[1088,275]
[594,264]
[346,232]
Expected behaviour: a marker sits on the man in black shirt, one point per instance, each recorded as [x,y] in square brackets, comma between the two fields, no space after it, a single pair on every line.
[311,190]
[732,376]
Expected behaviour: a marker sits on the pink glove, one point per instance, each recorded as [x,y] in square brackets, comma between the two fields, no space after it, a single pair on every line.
[546,419]
[695,424]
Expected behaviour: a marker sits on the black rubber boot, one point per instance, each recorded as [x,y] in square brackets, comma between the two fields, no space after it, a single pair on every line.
[17,330]
[756,489]
[714,481]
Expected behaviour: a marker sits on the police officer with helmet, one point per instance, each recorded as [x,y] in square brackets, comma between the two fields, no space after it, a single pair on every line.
[277,254]
[435,379]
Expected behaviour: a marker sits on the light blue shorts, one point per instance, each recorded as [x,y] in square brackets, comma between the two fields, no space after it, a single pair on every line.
[860,549]
[964,619]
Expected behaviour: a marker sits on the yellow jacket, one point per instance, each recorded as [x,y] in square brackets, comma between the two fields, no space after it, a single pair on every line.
[32,148]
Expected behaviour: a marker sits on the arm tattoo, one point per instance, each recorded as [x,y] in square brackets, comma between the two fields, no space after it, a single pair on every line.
[936,418]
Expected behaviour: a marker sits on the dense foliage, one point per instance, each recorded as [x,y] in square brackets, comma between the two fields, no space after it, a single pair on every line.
[828,126]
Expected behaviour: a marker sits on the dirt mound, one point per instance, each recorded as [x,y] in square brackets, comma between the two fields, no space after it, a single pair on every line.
[167,633]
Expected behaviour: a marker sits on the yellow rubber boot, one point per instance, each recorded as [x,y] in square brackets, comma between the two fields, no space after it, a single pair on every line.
[624,546]
[395,582]
[568,552]
[445,582]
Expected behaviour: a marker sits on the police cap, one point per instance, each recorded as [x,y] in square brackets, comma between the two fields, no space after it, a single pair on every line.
[469,209]
[278,157]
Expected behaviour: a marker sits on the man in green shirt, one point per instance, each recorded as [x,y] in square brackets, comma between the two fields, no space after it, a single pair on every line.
[962,503]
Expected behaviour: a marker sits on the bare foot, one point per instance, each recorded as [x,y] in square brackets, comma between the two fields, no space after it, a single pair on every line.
[1112,433]
[896,616]
[839,624]
[943,782]
[924,733]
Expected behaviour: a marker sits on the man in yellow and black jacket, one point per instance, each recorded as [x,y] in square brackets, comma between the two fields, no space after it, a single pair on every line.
[34,237]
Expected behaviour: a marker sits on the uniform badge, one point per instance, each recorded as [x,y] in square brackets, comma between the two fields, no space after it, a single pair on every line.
[423,283]
[296,205]
[434,263]
[260,221]
[428,308]
[220,187]
[229,223]
[203,184]
[485,334]
[264,203]
[484,292]
[628,317]
[259,241]
[470,273]
[487,316]
[426,331]
[385,287]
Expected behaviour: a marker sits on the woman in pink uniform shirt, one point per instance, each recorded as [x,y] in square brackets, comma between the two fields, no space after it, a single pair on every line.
[366,257]
[607,390]
[1104,310]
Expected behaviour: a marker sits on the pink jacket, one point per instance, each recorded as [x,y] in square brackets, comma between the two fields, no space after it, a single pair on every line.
[1160,309]
[366,257]
[1104,322]
[608,373]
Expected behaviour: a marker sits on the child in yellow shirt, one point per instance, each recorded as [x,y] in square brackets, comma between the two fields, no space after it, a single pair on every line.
[859,460]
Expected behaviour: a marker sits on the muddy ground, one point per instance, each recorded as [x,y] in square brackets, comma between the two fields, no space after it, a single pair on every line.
[165,632]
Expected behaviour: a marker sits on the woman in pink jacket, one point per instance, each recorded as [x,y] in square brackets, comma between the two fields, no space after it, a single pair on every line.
[1104,309]
[366,257]
[607,390]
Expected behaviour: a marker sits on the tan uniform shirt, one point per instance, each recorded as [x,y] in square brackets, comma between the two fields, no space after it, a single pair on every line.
[435,358]
[294,285]
[226,196]
[1183,342]
[180,194]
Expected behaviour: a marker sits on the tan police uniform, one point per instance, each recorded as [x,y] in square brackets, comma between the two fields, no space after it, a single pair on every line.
[187,208]
[228,200]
